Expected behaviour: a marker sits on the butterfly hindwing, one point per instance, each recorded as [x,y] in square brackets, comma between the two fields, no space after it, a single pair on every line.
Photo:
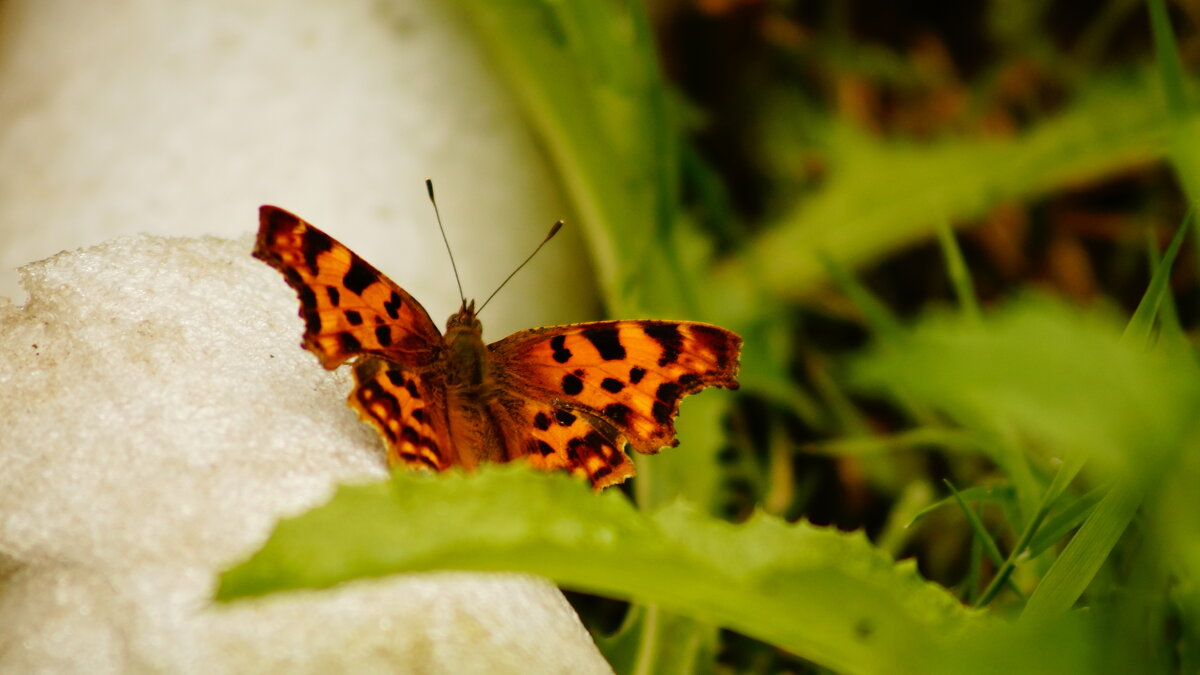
[349,307]
[555,438]
[631,374]
[409,410]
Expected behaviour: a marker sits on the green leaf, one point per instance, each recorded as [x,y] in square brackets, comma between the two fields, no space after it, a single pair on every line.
[1059,374]
[825,595]
[1064,377]
[882,195]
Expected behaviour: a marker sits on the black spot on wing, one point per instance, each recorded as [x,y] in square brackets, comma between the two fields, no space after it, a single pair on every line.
[571,384]
[308,301]
[668,392]
[668,338]
[312,323]
[412,389]
[349,343]
[384,335]
[561,353]
[636,374]
[541,421]
[717,340]
[277,219]
[335,297]
[315,243]
[544,448]
[607,342]
[592,441]
[358,277]
[668,395]
[661,413]
[564,418]
[612,386]
[414,457]
[617,413]
[355,318]
[392,306]
[411,435]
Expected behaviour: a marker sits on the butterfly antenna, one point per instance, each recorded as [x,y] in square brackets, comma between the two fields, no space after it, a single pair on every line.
[550,235]
[453,265]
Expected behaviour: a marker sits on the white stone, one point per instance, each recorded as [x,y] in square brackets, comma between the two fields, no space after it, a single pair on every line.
[157,414]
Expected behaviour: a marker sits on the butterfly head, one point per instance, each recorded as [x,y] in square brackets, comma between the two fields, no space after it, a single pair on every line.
[464,320]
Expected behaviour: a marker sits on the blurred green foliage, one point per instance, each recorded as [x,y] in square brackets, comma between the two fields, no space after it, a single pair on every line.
[943,233]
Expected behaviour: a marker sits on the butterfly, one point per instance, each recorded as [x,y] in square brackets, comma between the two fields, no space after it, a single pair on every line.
[560,397]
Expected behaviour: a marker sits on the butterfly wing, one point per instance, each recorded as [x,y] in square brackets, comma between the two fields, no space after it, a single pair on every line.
[552,438]
[622,380]
[349,308]
[409,410]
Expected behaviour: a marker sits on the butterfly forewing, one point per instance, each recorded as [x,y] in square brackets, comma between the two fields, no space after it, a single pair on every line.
[348,307]
[631,374]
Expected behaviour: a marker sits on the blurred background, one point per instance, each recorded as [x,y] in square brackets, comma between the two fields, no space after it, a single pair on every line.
[812,175]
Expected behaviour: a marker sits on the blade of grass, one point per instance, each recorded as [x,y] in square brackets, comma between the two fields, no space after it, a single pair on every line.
[1071,573]
[1184,125]
[1167,54]
[1064,521]
[879,318]
[976,494]
[1140,326]
[1170,330]
[977,526]
[974,567]
[857,446]
[896,532]
[982,536]
[956,271]
[1062,480]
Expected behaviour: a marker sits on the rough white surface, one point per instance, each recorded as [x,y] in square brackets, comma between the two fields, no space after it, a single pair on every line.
[156,412]
[158,416]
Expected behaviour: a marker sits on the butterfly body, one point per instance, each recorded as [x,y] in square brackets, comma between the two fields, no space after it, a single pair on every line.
[560,397]
[466,352]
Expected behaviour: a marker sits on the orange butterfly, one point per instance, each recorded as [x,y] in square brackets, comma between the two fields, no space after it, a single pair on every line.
[561,397]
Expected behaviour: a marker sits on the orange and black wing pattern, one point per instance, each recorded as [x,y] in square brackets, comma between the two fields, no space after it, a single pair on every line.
[587,389]
[349,308]
[408,409]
